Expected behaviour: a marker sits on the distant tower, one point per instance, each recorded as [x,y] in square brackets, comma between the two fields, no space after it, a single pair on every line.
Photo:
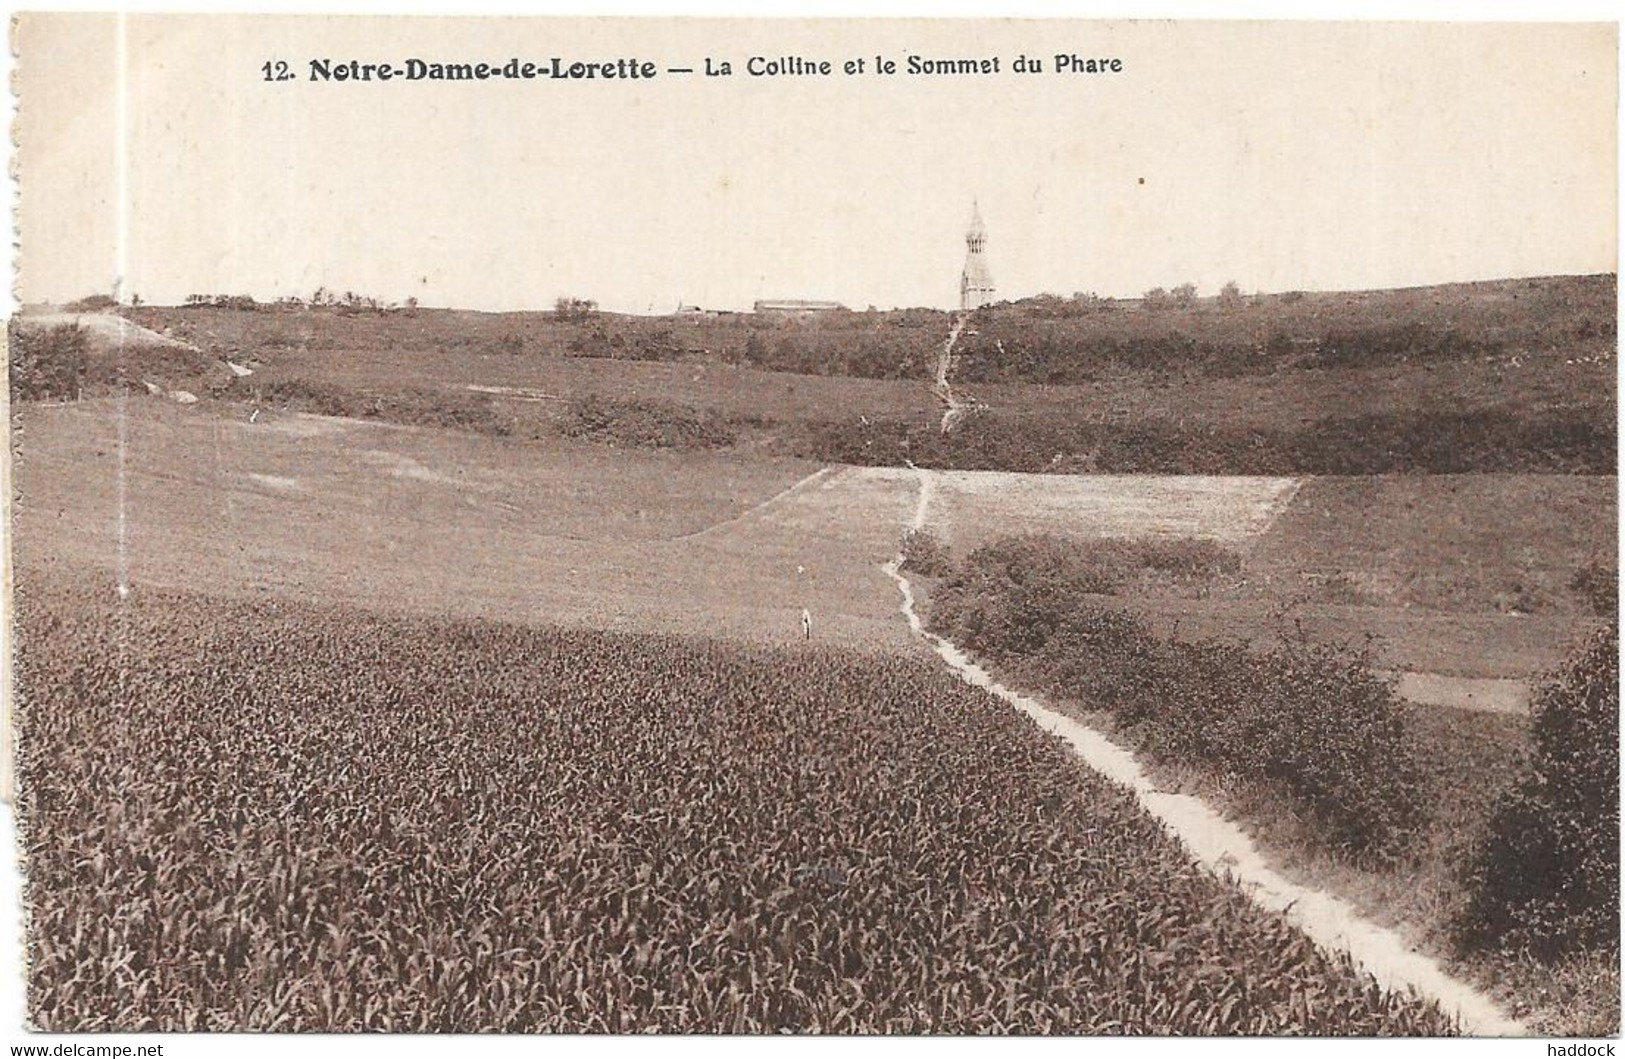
[976,282]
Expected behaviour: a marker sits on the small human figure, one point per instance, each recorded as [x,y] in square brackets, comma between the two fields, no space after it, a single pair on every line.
[806,624]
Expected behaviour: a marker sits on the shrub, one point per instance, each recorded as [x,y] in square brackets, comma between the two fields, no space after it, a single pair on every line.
[95,303]
[475,413]
[1314,719]
[1545,877]
[246,302]
[1373,345]
[924,553]
[47,363]
[647,424]
[1012,594]
[1183,557]
[1597,582]
[573,310]
[1032,563]
[507,344]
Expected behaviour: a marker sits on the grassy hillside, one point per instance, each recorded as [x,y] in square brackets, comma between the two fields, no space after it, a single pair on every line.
[1516,375]
[1055,340]
[1038,340]
[442,521]
[1501,544]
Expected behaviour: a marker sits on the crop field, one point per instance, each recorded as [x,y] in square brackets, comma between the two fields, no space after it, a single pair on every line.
[1472,646]
[1265,401]
[563,489]
[725,388]
[581,831]
[1457,576]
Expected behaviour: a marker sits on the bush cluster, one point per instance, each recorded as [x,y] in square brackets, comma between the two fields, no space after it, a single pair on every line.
[47,363]
[1054,340]
[94,303]
[924,553]
[237,302]
[647,424]
[1008,348]
[1018,588]
[475,413]
[1545,878]
[1313,719]
[1597,583]
[899,345]
[1380,345]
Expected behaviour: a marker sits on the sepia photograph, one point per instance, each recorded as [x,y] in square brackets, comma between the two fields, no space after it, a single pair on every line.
[788,526]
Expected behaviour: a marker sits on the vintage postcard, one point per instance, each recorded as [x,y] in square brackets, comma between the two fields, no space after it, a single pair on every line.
[916,527]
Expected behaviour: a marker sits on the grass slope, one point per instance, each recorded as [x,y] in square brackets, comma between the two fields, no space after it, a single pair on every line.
[1473,543]
[437,521]
[1514,375]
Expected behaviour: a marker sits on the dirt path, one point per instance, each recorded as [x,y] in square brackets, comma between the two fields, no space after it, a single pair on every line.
[953,408]
[1221,847]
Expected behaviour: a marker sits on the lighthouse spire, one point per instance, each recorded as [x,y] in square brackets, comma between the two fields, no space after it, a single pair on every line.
[976,280]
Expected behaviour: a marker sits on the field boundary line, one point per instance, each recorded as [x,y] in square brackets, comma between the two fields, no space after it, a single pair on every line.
[1278,505]
[757,508]
[1222,848]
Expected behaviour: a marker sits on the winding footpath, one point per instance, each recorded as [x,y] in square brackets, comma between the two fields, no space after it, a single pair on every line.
[1221,847]
[953,408]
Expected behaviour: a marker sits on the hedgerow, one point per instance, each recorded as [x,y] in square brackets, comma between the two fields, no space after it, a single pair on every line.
[475,413]
[1313,719]
[1569,441]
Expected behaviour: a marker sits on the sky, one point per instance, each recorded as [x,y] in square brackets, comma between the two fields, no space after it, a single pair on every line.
[1281,156]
